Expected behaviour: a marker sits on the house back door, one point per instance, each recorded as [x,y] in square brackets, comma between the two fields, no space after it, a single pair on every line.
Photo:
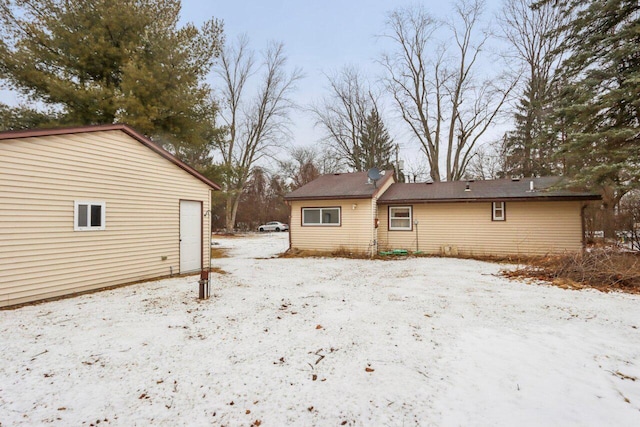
[190,236]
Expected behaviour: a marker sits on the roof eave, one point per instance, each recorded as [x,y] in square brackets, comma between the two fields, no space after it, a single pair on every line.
[30,133]
[381,184]
[374,192]
[493,199]
[294,199]
[164,153]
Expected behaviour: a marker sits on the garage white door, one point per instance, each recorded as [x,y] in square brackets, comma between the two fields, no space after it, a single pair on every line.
[190,236]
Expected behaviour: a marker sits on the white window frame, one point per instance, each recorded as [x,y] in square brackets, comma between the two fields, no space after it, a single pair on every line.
[321,224]
[89,204]
[391,217]
[498,207]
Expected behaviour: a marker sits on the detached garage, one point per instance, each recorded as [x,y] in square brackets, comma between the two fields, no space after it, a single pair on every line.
[92,207]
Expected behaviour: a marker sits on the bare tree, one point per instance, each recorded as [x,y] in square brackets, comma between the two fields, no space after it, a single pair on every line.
[262,200]
[488,162]
[416,169]
[435,87]
[629,220]
[534,36]
[343,113]
[255,124]
[307,164]
[301,168]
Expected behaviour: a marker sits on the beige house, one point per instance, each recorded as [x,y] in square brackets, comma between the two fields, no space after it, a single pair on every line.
[532,216]
[91,207]
[336,212]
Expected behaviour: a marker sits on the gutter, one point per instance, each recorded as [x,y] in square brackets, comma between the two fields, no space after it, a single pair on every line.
[343,197]
[493,199]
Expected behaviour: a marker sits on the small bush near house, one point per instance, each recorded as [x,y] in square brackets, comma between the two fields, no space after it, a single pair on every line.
[602,269]
[338,253]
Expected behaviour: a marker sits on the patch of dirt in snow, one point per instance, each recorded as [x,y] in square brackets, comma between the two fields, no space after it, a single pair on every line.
[325,341]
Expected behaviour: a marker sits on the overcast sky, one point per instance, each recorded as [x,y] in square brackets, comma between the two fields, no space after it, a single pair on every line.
[319,36]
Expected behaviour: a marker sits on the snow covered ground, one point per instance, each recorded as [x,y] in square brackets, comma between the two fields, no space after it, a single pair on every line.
[430,341]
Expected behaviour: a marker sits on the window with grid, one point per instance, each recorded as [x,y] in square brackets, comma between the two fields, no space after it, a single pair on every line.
[321,216]
[498,211]
[400,218]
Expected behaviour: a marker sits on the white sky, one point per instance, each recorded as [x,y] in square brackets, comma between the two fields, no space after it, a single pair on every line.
[318,37]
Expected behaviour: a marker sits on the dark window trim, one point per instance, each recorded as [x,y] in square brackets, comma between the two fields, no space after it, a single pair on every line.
[504,211]
[302,224]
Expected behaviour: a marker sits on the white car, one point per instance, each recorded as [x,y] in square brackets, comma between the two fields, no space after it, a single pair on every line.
[274,226]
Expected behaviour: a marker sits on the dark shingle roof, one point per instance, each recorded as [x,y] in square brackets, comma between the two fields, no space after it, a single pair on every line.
[497,189]
[339,186]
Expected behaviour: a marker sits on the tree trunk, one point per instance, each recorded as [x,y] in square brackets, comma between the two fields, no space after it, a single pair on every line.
[609,202]
[231,209]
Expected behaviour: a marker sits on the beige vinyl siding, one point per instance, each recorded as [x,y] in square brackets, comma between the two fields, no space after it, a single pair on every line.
[374,214]
[41,255]
[354,234]
[532,228]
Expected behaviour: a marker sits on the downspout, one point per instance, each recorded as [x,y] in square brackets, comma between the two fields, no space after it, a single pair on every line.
[583,225]
[290,224]
[372,223]
[205,275]
[210,228]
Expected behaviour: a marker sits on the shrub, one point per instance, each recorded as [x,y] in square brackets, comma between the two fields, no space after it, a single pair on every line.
[605,269]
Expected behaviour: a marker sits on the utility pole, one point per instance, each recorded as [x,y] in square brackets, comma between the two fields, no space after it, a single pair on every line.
[399,166]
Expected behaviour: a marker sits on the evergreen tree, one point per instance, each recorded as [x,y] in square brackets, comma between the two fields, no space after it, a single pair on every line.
[22,117]
[375,143]
[342,113]
[534,40]
[529,149]
[599,107]
[107,61]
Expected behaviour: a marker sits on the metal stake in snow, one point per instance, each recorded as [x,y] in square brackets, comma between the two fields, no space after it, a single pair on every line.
[204,285]
[204,290]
